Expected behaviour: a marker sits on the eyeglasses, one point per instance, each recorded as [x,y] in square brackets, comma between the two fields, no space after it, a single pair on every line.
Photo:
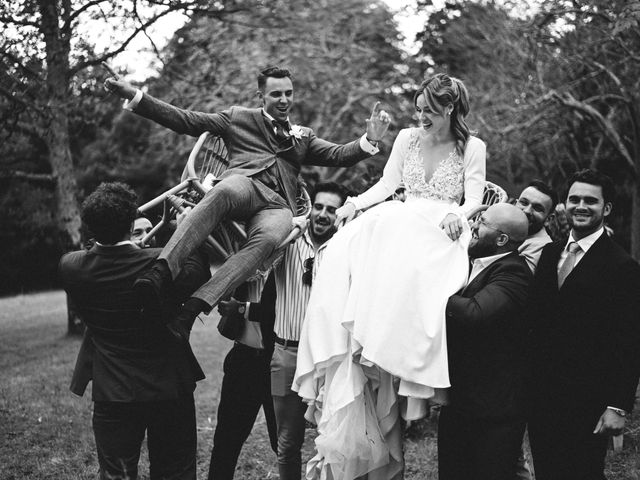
[307,275]
[481,221]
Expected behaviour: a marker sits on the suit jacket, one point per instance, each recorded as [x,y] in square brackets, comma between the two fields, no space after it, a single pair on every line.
[129,357]
[486,330]
[586,336]
[251,144]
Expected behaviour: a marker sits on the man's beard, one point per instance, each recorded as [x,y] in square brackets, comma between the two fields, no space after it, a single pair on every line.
[324,236]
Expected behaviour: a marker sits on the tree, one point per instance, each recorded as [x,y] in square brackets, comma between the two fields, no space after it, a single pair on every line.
[42,60]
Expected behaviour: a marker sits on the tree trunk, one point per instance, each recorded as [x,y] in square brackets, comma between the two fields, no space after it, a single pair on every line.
[57,133]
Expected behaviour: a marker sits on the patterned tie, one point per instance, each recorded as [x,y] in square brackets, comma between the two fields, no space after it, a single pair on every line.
[569,263]
[282,130]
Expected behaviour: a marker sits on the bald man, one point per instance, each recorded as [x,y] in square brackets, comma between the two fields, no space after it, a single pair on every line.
[480,431]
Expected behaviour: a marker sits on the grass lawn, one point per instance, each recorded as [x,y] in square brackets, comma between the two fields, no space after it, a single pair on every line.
[45,430]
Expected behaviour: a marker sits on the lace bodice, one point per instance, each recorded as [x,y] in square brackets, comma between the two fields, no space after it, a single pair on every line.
[454,177]
[447,181]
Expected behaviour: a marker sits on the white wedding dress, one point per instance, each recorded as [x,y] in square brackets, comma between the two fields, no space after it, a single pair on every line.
[375,323]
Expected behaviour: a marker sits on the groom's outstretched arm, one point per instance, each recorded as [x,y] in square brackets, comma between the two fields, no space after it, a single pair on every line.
[177,119]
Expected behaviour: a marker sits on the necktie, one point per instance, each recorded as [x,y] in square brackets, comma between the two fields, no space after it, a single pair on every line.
[569,263]
[282,130]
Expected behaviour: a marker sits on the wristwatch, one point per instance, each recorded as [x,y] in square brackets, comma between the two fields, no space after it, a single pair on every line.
[619,411]
[242,308]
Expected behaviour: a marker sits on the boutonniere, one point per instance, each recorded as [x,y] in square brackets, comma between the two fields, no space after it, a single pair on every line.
[297,132]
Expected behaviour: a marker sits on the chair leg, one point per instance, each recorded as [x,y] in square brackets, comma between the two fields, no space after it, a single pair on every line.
[617,442]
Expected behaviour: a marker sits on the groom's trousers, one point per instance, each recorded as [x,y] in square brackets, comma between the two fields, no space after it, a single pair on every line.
[268,222]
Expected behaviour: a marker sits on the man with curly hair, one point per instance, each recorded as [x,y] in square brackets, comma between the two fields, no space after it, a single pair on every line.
[143,376]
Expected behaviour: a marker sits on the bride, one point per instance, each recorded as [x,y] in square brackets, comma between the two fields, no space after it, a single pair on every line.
[374,331]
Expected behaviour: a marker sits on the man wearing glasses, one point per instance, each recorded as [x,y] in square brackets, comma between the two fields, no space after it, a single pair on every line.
[480,430]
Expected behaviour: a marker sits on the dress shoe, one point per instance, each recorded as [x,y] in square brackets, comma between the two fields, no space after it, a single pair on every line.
[154,291]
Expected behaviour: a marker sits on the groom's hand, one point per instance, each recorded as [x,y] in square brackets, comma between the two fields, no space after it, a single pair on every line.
[116,85]
[377,124]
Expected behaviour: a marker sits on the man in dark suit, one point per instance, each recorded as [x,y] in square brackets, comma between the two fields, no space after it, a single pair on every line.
[266,153]
[585,308]
[480,431]
[143,376]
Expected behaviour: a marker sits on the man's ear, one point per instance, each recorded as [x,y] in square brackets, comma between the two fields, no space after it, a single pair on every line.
[260,95]
[607,209]
[502,240]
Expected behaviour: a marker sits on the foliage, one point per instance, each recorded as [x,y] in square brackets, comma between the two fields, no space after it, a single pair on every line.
[554,91]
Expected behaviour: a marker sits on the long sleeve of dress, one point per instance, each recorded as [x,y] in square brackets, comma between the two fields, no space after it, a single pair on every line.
[391,176]
[475,171]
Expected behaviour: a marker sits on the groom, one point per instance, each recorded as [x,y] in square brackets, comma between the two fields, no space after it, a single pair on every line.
[266,154]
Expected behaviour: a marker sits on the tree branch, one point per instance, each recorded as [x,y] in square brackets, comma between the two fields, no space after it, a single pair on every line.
[79,11]
[24,23]
[46,178]
[106,56]
[570,101]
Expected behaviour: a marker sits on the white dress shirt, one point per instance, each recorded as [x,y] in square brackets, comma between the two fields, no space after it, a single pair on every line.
[479,264]
[585,244]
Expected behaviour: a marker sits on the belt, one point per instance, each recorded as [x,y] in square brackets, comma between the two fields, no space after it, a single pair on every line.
[286,343]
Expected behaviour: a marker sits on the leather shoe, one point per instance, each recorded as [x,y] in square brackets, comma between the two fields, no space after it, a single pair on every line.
[154,289]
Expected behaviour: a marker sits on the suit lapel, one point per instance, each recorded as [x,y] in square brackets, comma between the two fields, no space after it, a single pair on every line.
[262,126]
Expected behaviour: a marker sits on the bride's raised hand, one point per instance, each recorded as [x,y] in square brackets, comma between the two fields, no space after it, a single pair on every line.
[345,214]
[377,123]
[452,226]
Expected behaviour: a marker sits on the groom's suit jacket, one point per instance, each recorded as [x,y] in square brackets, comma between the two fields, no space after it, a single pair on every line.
[251,143]
[585,345]
[129,357]
[486,332]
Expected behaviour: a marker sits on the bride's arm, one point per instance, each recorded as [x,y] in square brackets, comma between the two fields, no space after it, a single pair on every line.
[391,178]
[475,174]
[474,182]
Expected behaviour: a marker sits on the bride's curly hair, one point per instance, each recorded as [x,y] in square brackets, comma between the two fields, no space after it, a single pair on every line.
[441,90]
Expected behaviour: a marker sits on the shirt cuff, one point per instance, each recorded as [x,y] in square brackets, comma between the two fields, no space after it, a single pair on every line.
[246,310]
[133,103]
[366,146]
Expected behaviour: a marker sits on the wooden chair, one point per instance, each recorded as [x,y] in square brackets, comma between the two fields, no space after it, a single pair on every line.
[207,161]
